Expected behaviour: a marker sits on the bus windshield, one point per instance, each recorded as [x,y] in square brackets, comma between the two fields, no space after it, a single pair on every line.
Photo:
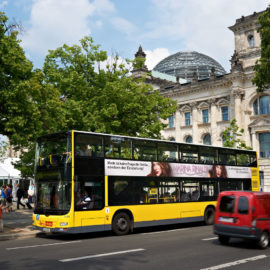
[53,174]
[53,197]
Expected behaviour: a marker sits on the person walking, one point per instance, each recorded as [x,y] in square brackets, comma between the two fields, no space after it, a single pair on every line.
[19,195]
[3,196]
[9,198]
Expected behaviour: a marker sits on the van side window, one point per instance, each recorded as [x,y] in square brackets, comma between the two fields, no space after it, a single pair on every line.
[243,205]
[227,204]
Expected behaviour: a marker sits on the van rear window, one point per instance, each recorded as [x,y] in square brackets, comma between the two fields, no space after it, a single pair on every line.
[227,204]
[243,205]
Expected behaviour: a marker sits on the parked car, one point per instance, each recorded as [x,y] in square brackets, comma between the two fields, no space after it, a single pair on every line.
[243,214]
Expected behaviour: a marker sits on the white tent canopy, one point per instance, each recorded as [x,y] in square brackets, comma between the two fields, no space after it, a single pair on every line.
[7,170]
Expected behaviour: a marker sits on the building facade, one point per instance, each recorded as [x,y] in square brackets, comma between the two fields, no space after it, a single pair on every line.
[207,103]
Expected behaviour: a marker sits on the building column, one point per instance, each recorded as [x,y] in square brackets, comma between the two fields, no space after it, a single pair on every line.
[195,132]
[213,122]
[246,136]
[238,95]
[255,143]
[177,126]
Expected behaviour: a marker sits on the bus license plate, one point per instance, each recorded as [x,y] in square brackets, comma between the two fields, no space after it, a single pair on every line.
[225,219]
[46,230]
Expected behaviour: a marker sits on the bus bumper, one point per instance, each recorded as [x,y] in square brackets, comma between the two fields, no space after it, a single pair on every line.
[73,230]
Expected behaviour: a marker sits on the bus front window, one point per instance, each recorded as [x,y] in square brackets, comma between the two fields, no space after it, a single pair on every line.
[53,197]
[53,151]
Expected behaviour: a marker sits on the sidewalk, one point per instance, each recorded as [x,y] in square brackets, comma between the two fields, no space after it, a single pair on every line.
[17,224]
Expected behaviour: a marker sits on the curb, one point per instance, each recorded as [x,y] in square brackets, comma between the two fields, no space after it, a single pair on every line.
[17,235]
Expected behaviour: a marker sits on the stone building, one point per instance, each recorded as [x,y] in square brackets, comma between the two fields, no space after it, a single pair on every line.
[208,98]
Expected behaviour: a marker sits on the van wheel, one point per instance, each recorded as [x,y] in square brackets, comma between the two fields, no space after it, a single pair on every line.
[224,240]
[209,216]
[264,240]
[121,224]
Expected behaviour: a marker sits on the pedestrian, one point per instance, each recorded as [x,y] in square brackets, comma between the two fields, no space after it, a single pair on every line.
[3,196]
[31,193]
[19,195]
[9,198]
[31,196]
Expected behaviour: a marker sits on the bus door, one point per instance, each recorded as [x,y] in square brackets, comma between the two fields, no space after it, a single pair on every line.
[89,201]
[189,194]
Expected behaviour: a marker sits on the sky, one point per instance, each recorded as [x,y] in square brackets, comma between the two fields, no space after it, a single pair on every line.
[161,27]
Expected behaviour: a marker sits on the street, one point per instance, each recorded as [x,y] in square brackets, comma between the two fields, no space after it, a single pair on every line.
[189,246]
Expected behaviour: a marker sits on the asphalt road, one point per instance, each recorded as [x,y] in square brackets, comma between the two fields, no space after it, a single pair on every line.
[190,246]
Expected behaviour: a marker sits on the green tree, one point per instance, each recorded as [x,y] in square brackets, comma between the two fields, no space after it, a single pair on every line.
[262,66]
[29,107]
[104,100]
[14,68]
[36,109]
[233,136]
[138,63]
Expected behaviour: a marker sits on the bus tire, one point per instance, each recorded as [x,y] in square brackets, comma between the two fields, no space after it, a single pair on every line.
[121,224]
[209,215]
[264,240]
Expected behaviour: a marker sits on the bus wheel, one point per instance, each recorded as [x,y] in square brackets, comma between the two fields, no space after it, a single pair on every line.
[121,224]
[263,241]
[209,216]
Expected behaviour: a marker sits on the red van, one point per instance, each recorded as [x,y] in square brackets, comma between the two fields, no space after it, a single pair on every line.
[243,214]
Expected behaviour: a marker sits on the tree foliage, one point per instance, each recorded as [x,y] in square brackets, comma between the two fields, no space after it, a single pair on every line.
[233,136]
[28,106]
[138,62]
[262,66]
[104,100]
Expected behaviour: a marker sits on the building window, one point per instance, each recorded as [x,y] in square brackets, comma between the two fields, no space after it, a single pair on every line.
[188,139]
[187,118]
[207,139]
[261,105]
[205,116]
[251,41]
[171,121]
[264,139]
[225,113]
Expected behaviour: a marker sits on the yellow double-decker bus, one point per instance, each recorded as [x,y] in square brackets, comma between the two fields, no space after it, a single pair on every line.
[88,182]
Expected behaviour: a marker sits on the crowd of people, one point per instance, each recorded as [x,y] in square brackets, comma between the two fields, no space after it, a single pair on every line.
[23,199]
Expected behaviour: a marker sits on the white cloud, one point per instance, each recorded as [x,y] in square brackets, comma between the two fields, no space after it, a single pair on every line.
[123,25]
[54,23]
[201,25]
[99,24]
[3,4]
[155,56]
[103,7]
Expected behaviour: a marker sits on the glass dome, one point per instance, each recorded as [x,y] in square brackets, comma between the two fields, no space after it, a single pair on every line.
[184,64]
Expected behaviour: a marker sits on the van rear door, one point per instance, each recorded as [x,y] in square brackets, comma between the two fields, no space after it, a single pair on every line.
[235,209]
[226,209]
[243,217]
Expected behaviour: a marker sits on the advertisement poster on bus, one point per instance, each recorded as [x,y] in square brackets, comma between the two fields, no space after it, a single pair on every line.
[115,167]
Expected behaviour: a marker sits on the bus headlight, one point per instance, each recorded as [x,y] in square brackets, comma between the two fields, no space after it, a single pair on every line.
[64,224]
